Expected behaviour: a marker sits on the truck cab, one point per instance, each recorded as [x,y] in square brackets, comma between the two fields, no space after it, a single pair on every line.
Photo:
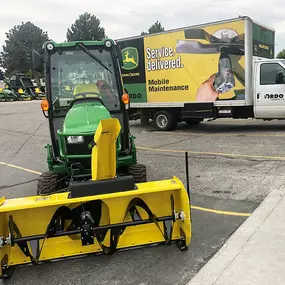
[269,89]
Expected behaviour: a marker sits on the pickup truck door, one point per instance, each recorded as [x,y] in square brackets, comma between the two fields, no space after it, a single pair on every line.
[269,97]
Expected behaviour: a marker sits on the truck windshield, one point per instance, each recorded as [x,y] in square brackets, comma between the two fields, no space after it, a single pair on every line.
[74,74]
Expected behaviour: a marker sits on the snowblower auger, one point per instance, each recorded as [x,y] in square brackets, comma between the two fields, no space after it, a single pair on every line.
[101,215]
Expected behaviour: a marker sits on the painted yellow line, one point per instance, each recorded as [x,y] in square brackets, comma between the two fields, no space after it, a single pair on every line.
[214,134]
[193,207]
[21,168]
[221,212]
[213,153]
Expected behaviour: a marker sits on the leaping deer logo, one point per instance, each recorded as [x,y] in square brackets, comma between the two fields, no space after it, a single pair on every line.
[129,59]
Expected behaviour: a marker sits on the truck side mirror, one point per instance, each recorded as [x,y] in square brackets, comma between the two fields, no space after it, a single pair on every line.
[280,78]
[37,61]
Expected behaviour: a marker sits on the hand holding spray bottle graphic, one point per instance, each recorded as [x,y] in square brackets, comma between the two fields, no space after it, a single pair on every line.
[226,42]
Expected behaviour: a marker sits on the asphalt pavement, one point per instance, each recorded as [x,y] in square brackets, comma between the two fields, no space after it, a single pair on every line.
[254,254]
[233,165]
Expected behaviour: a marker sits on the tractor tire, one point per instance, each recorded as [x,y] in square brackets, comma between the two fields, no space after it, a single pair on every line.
[47,182]
[138,171]
[165,121]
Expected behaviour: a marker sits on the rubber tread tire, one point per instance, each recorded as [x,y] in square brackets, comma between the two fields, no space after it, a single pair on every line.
[172,120]
[138,171]
[47,181]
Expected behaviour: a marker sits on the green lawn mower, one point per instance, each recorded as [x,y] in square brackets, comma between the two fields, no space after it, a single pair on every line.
[74,113]
[6,94]
[23,88]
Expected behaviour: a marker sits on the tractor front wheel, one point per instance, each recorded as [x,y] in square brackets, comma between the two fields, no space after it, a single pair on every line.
[47,183]
[138,171]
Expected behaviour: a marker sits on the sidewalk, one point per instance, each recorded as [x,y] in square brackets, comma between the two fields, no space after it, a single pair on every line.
[255,253]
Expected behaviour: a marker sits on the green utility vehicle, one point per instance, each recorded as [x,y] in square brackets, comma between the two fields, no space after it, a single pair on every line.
[83,86]
[5,94]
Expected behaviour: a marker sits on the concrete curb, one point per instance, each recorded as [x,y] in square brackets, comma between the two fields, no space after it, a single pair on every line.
[211,271]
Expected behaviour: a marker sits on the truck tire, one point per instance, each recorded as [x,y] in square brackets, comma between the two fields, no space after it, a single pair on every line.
[165,121]
[138,171]
[193,121]
[47,182]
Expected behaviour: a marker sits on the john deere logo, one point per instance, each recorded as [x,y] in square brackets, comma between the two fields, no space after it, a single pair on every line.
[130,58]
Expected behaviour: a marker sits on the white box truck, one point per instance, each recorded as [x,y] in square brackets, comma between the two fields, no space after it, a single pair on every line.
[208,71]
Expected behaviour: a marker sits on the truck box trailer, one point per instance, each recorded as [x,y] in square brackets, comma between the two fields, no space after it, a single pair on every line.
[207,71]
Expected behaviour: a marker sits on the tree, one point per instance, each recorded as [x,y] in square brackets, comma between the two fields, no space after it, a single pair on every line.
[155,28]
[281,54]
[1,75]
[17,51]
[86,27]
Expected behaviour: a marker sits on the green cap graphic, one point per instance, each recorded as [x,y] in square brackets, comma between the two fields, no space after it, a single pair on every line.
[130,58]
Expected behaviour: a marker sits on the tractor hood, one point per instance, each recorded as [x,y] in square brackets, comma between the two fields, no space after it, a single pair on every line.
[84,118]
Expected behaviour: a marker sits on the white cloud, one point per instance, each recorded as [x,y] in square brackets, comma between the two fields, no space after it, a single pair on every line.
[127,18]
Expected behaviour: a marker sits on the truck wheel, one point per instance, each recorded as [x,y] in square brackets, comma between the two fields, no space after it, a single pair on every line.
[193,121]
[47,182]
[165,121]
[138,171]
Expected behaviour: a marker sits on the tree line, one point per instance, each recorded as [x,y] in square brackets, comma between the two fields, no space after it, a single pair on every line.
[22,39]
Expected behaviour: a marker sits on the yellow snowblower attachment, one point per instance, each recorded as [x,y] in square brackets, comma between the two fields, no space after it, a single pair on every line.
[102,215]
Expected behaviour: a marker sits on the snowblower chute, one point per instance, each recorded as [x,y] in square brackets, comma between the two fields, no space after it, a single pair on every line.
[101,215]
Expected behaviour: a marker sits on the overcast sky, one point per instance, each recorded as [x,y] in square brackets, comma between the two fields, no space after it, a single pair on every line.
[127,18]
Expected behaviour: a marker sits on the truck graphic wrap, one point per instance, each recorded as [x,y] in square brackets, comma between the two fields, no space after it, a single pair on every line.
[197,64]
[191,65]
[263,42]
[133,70]
[214,58]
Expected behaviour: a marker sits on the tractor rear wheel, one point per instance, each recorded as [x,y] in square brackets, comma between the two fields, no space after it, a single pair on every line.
[138,171]
[47,182]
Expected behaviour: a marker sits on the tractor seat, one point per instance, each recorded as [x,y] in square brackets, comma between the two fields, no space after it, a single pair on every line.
[85,91]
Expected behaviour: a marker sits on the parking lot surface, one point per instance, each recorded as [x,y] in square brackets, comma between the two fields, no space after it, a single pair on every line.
[233,165]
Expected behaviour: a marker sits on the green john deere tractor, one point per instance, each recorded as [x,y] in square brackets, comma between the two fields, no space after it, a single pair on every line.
[83,86]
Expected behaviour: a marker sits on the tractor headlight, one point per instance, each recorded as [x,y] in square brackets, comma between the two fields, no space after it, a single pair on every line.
[108,44]
[75,139]
[50,46]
